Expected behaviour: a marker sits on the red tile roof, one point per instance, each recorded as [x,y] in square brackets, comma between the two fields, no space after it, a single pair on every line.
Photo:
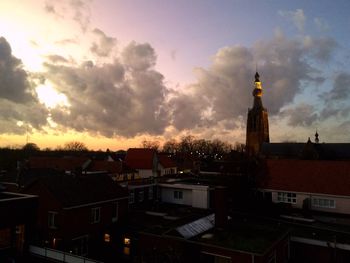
[108,166]
[165,161]
[58,163]
[140,158]
[310,176]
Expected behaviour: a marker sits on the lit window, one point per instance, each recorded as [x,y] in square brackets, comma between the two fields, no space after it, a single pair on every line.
[127,241]
[107,238]
[178,194]
[95,215]
[52,218]
[290,198]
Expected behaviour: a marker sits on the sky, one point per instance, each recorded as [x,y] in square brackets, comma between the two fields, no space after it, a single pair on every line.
[113,73]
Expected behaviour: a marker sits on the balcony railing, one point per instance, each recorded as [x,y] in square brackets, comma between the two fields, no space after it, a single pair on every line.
[58,255]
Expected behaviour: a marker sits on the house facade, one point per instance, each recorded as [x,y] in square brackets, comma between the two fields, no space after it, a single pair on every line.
[182,193]
[143,160]
[166,166]
[319,185]
[17,223]
[77,213]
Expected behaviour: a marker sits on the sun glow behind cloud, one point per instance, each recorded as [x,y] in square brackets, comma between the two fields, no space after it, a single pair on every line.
[50,97]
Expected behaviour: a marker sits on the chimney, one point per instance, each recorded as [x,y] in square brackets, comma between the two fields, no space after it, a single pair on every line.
[220,206]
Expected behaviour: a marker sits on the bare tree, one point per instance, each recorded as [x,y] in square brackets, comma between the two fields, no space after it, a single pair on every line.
[171,146]
[75,146]
[150,144]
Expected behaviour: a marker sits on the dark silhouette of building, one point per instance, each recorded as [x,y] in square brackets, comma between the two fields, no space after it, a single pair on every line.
[257,123]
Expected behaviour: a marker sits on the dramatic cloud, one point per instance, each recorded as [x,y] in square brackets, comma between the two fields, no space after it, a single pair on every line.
[340,90]
[336,100]
[104,45]
[223,91]
[321,48]
[300,115]
[139,56]
[128,97]
[297,17]
[77,10]
[112,99]
[17,100]
[13,79]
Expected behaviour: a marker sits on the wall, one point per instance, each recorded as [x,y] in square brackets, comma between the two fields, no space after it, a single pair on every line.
[200,198]
[342,204]
[167,196]
[193,195]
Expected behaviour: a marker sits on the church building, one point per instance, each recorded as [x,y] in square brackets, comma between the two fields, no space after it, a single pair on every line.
[257,123]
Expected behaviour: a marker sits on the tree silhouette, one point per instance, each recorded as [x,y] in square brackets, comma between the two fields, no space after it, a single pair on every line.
[75,146]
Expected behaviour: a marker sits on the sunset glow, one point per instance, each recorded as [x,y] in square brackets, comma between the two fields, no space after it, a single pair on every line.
[113,73]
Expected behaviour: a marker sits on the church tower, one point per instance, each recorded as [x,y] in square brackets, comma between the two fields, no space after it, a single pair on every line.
[257,123]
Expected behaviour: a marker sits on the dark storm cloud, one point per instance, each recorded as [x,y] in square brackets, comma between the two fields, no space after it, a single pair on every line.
[104,45]
[125,99]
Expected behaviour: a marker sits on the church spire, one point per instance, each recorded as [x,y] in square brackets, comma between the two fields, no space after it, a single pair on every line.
[257,92]
[317,140]
[257,122]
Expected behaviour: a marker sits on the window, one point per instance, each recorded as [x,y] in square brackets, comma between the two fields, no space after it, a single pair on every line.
[150,193]
[290,198]
[323,203]
[115,212]
[107,237]
[141,196]
[51,219]
[131,197]
[178,194]
[95,215]
[80,245]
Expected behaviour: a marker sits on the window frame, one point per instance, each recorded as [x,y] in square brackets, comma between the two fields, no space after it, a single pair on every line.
[95,217]
[319,202]
[178,195]
[52,219]
[287,197]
